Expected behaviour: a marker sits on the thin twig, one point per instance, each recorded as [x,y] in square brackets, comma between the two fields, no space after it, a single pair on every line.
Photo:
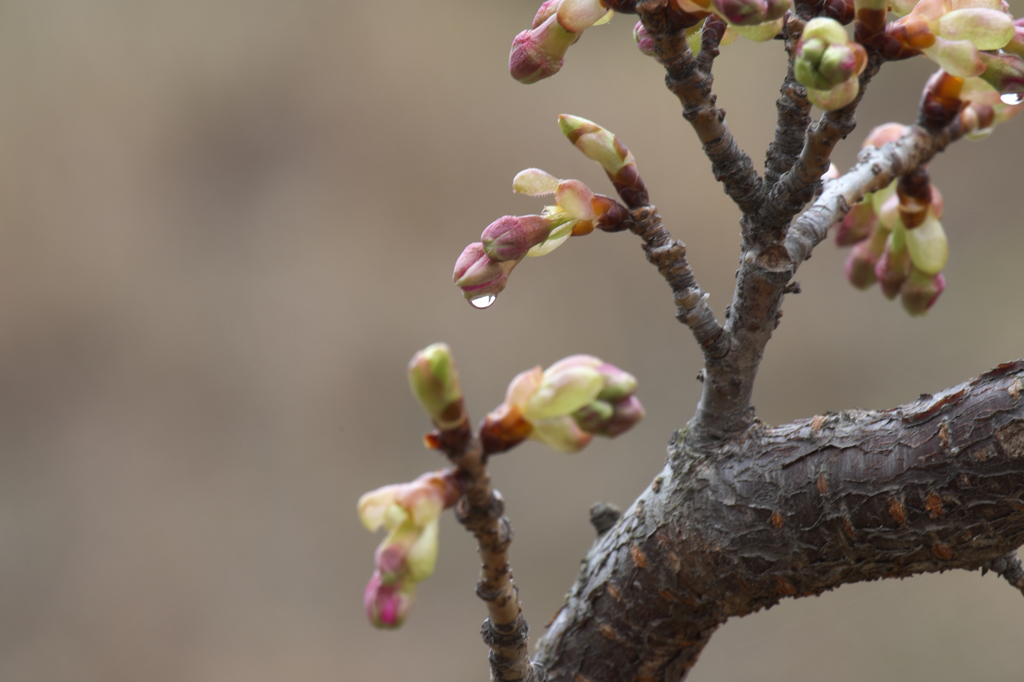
[669,256]
[794,113]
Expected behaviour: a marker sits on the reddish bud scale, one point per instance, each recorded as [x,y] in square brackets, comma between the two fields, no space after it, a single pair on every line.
[840,10]
[870,27]
[621,6]
[911,32]
[503,429]
[915,196]
[940,102]
[678,18]
[630,186]
[611,215]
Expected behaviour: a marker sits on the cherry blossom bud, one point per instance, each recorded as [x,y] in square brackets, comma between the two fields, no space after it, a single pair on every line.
[477,274]
[539,52]
[643,40]
[547,10]
[827,63]
[578,15]
[509,238]
[373,506]
[435,384]
[893,266]
[605,148]
[1005,73]
[919,293]
[887,132]
[562,434]
[860,265]
[563,391]
[628,413]
[927,246]
[387,606]
[857,224]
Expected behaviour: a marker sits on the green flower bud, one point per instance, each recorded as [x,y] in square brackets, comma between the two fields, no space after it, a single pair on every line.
[434,381]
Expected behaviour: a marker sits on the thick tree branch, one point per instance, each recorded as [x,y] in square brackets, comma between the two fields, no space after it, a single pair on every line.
[670,258]
[794,511]
[692,85]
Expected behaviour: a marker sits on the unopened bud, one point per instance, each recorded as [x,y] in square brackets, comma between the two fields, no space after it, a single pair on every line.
[605,148]
[919,293]
[509,238]
[892,267]
[387,606]
[578,15]
[927,245]
[860,265]
[857,224]
[628,414]
[539,52]
[547,10]
[477,274]
[563,391]
[434,381]
[562,434]
[1004,72]
[643,40]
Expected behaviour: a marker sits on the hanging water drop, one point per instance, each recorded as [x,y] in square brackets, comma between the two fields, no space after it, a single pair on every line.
[482,301]
[1012,98]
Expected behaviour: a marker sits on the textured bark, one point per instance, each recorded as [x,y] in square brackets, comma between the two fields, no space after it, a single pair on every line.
[793,511]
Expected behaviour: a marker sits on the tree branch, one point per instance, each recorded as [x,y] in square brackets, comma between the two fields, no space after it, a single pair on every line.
[794,511]
[481,511]
[670,258]
[794,113]
[692,85]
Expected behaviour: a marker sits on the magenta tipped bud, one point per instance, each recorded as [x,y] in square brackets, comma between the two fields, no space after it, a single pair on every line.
[643,40]
[856,225]
[1004,72]
[919,293]
[477,274]
[538,53]
[509,238]
[387,606]
[860,265]
[628,413]
[892,269]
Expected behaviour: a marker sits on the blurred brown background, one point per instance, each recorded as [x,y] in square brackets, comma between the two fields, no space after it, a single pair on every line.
[225,227]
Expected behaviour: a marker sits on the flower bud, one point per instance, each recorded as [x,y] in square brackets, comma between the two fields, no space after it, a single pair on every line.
[578,15]
[919,293]
[435,384]
[893,266]
[600,145]
[857,224]
[539,52]
[534,182]
[374,505]
[575,199]
[618,384]
[836,98]
[827,63]
[1004,72]
[562,434]
[927,246]
[509,238]
[628,413]
[563,391]
[387,606]
[477,274]
[594,416]
[547,10]
[880,135]
[860,265]
[643,40]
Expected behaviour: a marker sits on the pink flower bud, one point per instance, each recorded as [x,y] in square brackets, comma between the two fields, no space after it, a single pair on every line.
[539,53]
[547,10]
[860,265]
[856,225]
[628,414]
[892,269]
[919,293]
[387,606]
[509,238]
[479,275]
[643,40]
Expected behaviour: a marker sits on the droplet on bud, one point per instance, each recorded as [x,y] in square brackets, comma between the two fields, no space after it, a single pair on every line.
[482,301]
[1012,98]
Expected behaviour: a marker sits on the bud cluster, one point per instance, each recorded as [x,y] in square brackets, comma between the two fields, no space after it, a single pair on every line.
[952,33]
[483,268]
[564,406]
[410,513]
[828,64]
[539,52]
[896,236]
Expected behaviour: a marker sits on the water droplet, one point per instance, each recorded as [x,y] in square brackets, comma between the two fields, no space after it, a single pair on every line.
[1012,98]
[482,302]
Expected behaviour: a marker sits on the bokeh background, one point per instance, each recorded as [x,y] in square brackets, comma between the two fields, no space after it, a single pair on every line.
[226,226]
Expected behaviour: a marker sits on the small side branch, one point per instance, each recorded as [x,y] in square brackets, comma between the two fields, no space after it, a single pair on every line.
[794,115]
[692,85]
[797,186]
[481,511]
[875,169]
[669,256]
